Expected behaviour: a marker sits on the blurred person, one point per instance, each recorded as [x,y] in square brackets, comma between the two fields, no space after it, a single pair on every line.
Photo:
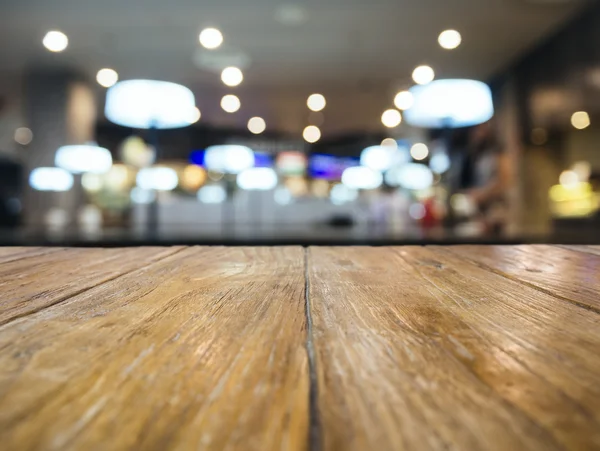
[484,177]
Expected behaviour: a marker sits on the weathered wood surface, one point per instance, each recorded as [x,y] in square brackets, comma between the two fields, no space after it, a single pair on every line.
[202,349]
[417,348]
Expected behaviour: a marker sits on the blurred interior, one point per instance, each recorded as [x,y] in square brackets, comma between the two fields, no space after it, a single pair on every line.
[299,121]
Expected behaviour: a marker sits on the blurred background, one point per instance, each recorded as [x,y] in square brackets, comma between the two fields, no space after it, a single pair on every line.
[300,121]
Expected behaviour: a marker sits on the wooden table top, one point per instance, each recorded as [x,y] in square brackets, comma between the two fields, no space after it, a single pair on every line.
[290,348]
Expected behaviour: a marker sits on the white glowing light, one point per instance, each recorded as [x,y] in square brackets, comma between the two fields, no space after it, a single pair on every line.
[50,179]
[257,125]
[83,158]
[311,134]
[107,77]
[439,163]
[391,118]
[410,176]
[150,104]
[341,194]
[403,100]
[232,76]
[55,41]
[23,136]
[389,142]
[580,120]
[419,151]
[157,178]
[91,182]
[449,39]
[228,158]
[361,177]
[212,194]
[450,103]
[230,103]
[316,102]
[261,179]
[210,38]
[568,178]
[378,158]
[423,75]
[142,196]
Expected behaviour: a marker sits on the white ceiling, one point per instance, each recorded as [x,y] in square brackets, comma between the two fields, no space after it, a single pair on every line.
[350,48]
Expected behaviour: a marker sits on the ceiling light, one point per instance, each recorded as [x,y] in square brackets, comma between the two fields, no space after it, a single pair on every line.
[259,179]
[311,134]
[55,41]
[389,142]
[107,77]
[228,158]
[230,103]
[149,104]
[391,118]
[423,75]
[419,151]
[450,104]
[257,125]
[23,135]
[210,38]
[157,178]
[232,76]
[580,120]
[450,39]
[316,102]
[403,100]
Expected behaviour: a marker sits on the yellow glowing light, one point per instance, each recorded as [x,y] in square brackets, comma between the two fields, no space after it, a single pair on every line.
[311,134]
[404,100]
[577,200]
[232,76]
[210,38]
[450,39]
[320,188]
[297,186]
[196,114]
[230,103]
[55,41]
[193,177]
[316,102]
[117,178]
[419,151]
[423,75]
[107,77]
[580,120]
[391,118]
[257,125]
[91,182]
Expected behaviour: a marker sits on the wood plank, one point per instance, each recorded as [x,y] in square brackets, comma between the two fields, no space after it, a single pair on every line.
[582,248]
[204,349]
[574,276]
[9,254]
[419,349]
[28,285]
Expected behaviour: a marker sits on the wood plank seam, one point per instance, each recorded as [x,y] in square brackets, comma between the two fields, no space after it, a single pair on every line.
[481,265]
[314,428]
[65,298]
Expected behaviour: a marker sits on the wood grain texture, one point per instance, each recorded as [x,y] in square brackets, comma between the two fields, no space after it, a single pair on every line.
[567,273]
[417,348]
[201,349]
[31,284]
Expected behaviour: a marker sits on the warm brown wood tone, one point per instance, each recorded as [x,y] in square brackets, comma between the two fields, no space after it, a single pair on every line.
[570,274]
[398,348]
[420,349]
[202,349]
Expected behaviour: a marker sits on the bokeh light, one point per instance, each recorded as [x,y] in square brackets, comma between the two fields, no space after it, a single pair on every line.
[55,41]
[23,136]
[361,177]
[311,134]
[341,194]
[580,120]
[107,77]
[83,158]
[210,38]
[50,179]
[212,194]
[391,118]
[413,176]
[423,75]
[193,177]
[450,39]
[316,102]
[403,100]
[232,76]
[228,158]
[419,151]
[157,178]
[260,179]
[230,103]
[257,125]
